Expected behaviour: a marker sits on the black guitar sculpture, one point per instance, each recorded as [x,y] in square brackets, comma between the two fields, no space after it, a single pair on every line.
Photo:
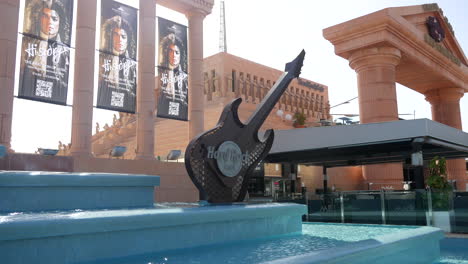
[221,160]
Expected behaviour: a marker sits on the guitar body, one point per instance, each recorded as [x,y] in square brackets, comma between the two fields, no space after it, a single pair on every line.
[221,160]
[204,170]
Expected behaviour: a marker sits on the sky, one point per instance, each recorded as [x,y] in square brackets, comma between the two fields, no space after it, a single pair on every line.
[269,32]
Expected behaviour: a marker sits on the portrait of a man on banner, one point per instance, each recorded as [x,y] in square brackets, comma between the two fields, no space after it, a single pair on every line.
[118,50]
[172,70]
[45,52]
[49,20]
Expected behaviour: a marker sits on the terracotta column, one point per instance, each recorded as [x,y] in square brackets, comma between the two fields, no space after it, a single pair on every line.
[445,104]
[146,84]
[82,116]
[195,50]
[375,68]
[9,11]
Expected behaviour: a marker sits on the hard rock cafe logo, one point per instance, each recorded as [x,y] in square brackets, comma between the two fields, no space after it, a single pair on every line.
[229,158]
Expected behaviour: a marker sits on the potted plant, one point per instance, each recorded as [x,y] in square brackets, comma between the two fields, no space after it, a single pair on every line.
[299,120]
[440,192]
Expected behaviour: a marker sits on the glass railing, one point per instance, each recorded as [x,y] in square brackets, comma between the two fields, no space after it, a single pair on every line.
[445,209]
[460,212]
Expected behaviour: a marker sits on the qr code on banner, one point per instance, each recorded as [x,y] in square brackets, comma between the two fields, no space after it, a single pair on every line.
[44,88]
[117,99]
[173,108]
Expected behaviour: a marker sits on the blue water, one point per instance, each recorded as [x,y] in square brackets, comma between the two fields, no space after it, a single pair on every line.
[453,251]
[315,236]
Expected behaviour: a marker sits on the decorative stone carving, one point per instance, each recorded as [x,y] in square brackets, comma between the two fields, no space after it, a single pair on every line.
[114,120]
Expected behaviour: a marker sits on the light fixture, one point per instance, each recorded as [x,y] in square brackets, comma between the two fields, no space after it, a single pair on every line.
[406,187]
[118,151]
[47,152]
[3,151]
[280,113]
[288,117]
[174,154]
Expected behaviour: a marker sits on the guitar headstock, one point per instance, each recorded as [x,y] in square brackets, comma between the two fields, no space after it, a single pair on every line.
[294,67]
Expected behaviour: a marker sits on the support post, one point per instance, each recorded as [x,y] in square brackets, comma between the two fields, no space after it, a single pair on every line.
[325,180]
[382,205]
[9,12]
[417,164]
[146,83]
[196,98]
[82,115]
[342,207]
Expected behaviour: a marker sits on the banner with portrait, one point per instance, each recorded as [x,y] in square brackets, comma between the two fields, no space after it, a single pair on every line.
[44,71]
[49,20]
[119,28]
[45,50]
[117,57]
[117,83]
[172,70]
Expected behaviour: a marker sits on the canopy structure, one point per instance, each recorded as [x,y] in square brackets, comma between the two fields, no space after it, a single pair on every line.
[365,144]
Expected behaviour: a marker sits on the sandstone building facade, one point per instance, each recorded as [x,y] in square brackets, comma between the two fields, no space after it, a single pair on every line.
[227,77]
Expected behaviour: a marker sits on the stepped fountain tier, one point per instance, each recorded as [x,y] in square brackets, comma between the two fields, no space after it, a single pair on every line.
[77,217]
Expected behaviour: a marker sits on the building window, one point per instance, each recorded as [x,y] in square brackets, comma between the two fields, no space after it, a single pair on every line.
[233,81]
[206,83]
[213,80]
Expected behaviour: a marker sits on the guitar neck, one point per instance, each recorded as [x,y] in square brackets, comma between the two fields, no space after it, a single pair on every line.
[268,103]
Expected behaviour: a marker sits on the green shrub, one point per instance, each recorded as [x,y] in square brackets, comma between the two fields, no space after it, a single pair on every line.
[437,181]
[299,118]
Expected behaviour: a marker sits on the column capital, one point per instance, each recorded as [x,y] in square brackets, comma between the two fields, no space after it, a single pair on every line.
[196,13]
[374,56]
[444,95]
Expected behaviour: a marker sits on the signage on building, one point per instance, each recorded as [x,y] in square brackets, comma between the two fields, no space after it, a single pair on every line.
[172,70]
[435,29]
[45,51]
[311,85]
[117,57]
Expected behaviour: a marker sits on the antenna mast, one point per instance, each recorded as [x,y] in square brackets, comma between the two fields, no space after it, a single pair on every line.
[222,30]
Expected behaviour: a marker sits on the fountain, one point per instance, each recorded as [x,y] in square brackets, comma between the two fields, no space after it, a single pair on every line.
[50,217]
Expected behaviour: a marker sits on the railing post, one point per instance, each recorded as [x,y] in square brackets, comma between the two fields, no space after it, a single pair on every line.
[382,204]
[307,205]
[342,208]
[429,207]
